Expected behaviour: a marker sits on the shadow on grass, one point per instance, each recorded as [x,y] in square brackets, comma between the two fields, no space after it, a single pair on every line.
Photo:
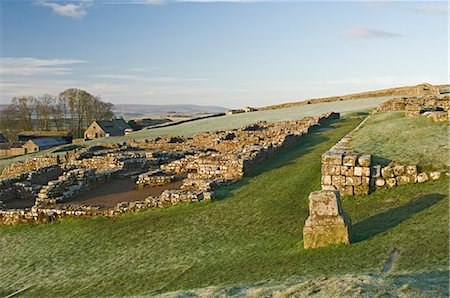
[383,222]
[283,157]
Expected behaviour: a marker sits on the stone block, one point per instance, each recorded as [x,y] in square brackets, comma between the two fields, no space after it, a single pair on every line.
[391,182]
[411,170]
[333,170]
[364,160]
[435,175]
[332,158]
[326,180]
[387,172]
[338,181]
[327,223]
[399,170]
[380,182]
[347,171]
[365,171]
[422,177]
[349,160]
[358,171]
[353,180]
[402,180]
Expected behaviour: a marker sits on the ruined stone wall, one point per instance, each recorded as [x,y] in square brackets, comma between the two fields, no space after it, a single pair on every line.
[154,178]
[434,107]
[236,152]
[42,214]
[68,185]
[29,165]
[357,174]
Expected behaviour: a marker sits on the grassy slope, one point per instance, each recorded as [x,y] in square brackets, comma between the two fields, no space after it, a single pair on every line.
[251,232]
[386,134]
[228,122]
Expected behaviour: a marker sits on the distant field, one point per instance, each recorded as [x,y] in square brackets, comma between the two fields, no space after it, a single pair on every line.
[251,232]
[407,140]
[229,122]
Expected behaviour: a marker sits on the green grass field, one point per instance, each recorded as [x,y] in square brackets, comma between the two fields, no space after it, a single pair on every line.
[227,122]
[407,140]
[251,232]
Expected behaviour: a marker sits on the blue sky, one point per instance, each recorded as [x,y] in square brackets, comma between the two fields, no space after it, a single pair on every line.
[229,53]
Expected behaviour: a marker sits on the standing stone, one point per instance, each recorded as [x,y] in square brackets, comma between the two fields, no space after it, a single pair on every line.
[327,223]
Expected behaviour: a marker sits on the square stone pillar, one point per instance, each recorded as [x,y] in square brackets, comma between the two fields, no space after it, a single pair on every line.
[327,223]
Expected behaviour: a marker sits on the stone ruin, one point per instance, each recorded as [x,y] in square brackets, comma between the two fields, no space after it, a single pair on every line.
[208,160]
[357,174]
[436,108]
[327,223]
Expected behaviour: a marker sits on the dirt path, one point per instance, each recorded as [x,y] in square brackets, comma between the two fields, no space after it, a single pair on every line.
[116,191]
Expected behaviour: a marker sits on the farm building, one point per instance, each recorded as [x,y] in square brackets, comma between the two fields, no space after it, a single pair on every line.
[11,149]
[33,135]
[35,145]
[107,128]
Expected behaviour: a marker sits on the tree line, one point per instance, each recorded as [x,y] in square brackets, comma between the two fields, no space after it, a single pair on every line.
[71,110]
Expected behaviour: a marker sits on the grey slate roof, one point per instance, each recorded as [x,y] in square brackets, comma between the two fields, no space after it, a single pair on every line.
[49,142]
[115,127]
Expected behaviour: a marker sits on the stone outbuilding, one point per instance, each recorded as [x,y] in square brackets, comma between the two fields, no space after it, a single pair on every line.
[107,128]
[35,145]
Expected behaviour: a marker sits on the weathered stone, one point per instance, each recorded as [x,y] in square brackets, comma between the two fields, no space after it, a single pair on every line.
[411,170]
[364,160]
[380,182]
[353,180]
[326,180]
[387,172]
[338,181]
[402,180]
[332,170]
[435,175]
[349,160]
[399,170]
[365,171]
[333,158]
[422,177]
[327,223]
[358,171]
[391,182]
[347,171]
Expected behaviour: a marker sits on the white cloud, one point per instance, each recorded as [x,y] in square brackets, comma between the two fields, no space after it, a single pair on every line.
[76,10]
[439,9]
[363,32]
[31,66]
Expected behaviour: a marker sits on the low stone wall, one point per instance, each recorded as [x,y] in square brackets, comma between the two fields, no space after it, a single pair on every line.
[38,214]
[349,173]
[434,107]
[154,178]
[393,175]
[29,165]
[68,185]
[357,174]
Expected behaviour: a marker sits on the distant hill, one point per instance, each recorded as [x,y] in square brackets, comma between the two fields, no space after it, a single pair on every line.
[137,110]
